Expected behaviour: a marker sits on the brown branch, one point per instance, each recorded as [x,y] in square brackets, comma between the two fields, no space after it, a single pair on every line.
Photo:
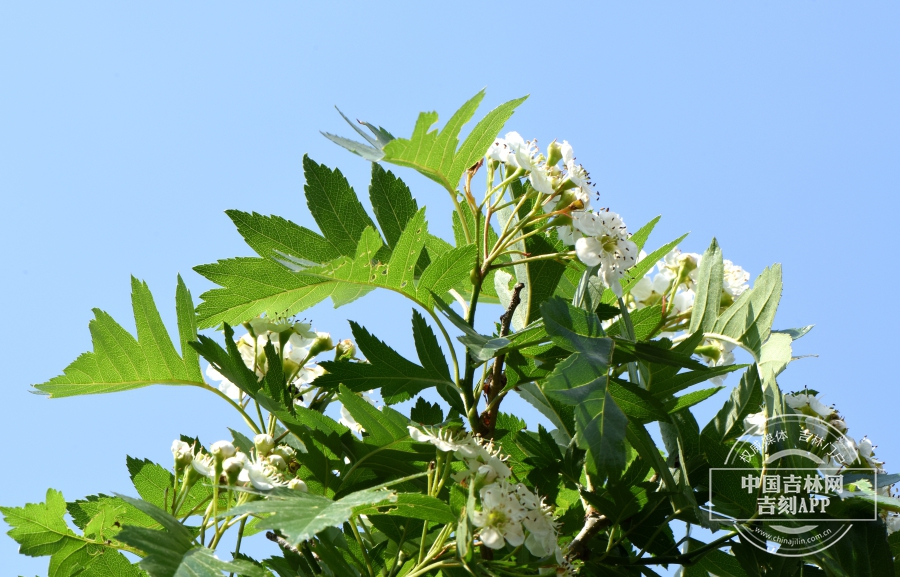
[496,381]
[594,522]
[282,542]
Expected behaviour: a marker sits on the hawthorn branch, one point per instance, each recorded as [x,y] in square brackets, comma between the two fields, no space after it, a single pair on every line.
[496,381]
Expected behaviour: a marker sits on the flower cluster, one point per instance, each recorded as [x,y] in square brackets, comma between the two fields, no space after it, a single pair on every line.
[507,510]
[264,469]
[294,342]
[600,238]
[815,411]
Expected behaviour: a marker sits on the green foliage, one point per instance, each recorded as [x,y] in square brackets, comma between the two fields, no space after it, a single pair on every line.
[402,490]
[119,362]
[300,516]
[41,531]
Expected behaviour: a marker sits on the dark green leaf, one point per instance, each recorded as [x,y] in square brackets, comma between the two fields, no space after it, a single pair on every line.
[708,290]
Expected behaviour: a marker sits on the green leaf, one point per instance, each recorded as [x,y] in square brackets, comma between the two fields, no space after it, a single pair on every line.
[41,530]
[414,506]
[300,516]
[426,413]
[435,154]
[708,290]
[402,266]
[795,333]
[749,319]
[644,321]
[637,272]
[728,423]
[274,237]
[251,287]
[398,378]
[382,426]
[691,399]
[715,562]
[379,138]
[681,381]
[335,206]
[171,552]
[392,203]
[641,236]
[562,416]
[576,330]
[444,273]
[120,362]
[154,484]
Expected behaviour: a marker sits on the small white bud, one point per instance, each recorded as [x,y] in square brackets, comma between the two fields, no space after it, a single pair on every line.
[222,450]
[181,451]
[277,461]
[285,452]
[298,485]
[322,343]
[264,443]
[232,466]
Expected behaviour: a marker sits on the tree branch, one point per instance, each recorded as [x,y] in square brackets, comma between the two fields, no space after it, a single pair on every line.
[496,381]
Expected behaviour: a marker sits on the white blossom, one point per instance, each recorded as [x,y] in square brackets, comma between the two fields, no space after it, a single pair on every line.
[500,517]
[735,279]
[606,244]
[204,465]
[498,151]
[716,353]
[298,485]
[443,439]
[260,474]
[230,389]
[755,423]
[181,451]
[264,444]
[808,404]
[222,449]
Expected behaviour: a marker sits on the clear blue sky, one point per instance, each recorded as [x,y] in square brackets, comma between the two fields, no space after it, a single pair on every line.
[126,130]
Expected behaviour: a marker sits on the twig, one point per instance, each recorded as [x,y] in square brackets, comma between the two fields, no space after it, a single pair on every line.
[283,543]
[496,381]
[594,522]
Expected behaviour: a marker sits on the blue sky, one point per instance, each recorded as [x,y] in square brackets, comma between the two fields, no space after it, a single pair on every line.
[126,131]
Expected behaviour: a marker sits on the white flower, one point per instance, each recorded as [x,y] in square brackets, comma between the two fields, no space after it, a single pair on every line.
[893,524]
[867,453]
[234,465]
[277,461]
[540,179]
[204,465]
[755,423]
[498,151]
[500,517]
[306,375]
[481,459]
[735,279]
[222,449]
[607,244]
[565,149]
[442,439]
[347,419]
[808,404]
[542,539]
[230,389]
[260,474]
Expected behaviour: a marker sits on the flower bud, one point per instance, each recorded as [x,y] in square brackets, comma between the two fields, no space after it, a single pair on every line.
[181,451]
[345,350]
[277,461]
[298,485]
[554,153]
[222,450]
[322,343]
[285,452]
[232,467]
[263,443]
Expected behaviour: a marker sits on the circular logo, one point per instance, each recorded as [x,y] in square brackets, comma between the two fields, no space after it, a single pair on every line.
[782,483]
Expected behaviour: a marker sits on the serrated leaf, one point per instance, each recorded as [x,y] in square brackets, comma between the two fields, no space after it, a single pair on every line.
[413,506]
[392,203]
[398,378]
[300,516]
[679,382]
[154,483]
[274,237]
[335,207]
[708,290]
[405,255]
[444,273]
[691,399]
[119,362]
[637,272]
[435,154]
[382,426]
[729,421]
[251,287]
[560,415]
[41,530]
[749,319]
[642,234]
[426,413]
[644,322]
